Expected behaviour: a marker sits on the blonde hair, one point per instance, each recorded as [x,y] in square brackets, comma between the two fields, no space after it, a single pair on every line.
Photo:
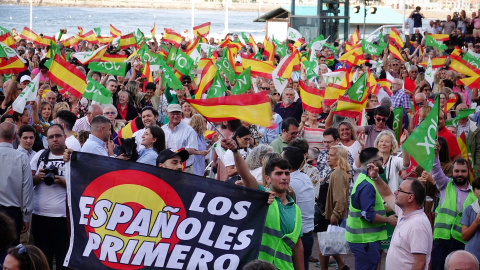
[393,140]
[60,107]
[197,122]
[342,157]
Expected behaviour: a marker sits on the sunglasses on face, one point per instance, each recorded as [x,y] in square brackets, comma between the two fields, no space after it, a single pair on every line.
[186,82]
[275,94]
[265,88]
[381,119]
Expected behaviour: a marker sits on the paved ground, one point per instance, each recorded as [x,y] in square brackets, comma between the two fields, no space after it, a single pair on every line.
[349,260]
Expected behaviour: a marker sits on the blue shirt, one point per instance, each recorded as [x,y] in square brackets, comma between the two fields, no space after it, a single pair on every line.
[364,200]
[148,156]
[199,160]
[95,146]
[467,219]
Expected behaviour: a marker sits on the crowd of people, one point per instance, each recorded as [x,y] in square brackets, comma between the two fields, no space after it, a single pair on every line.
[321,169]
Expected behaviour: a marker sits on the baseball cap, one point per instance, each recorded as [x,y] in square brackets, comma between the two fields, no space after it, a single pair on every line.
[174,108]
[167,154]
[25,78]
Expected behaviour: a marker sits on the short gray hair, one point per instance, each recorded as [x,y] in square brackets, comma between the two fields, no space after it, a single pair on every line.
[97,122]
[386,102]
[447,260]
[110,106]
[92,107]
[392,139]
[254,159]
[7,131]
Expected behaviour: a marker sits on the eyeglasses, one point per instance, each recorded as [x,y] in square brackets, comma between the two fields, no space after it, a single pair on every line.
[413,71]
[419,104]
[275,94]
[107,113]
[54,136]
[381,119]
[186,82]
[265,88]
[399,190]
[394,65]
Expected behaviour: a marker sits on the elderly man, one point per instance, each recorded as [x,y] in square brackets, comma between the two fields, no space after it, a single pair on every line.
[412,239]
[180,135]
[51,97]
[461,260]
[84,122]
[288,107]
[399,98]
[16,185]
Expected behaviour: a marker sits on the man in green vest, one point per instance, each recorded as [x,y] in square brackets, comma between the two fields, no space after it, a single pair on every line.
[455,194]
[366,221]
[281,243]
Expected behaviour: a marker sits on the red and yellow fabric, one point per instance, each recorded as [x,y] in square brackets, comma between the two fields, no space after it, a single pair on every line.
[89,37]
[386,85]
[462,66]
[105,40]
[80,30]
[113,58]
[30,35]
[259,68]
[252,43]
[67,76]
[395,38]
[349,108]
[45,40]
[153,30]
[440,37]
[355,38]
[311,98]
[450,103]
[11,65]
[437,62]
[466,154]
[114,31]
[208,134]
[208,74]
[147,73]
[395,52]
[193,45]
[202,29]
[354,56]
[70,42]
[251,108]
[457,51]
[269,49]
[172,37]
[298,43]
[332,93]
[128,130]
[291,64]
[8,40]
[127,41]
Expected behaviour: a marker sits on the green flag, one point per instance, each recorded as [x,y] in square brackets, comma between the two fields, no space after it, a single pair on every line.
[471,59]
[370,48]
[245,38]
[310,67]
[381,42]
[5,30]
[430,41]
[154,59]
[54,49]
[97,92]
[244,82]
[420,145]
[331,47]
[225,66]
[2,52]
[356,91]
[317,42]
[138,36]
[179,60]
[461,114]
[98,31]
[397,122]
[112,68]
[169,77]
[218,88]
[281,50]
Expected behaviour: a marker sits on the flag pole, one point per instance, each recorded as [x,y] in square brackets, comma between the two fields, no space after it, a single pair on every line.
[31,14]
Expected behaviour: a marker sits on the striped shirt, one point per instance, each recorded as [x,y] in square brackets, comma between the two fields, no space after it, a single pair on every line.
[81,124]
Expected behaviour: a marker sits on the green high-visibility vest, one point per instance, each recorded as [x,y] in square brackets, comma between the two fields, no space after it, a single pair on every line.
[359,230]
[275,247]
[447,220]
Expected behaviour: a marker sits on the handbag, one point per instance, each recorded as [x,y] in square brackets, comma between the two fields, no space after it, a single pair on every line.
[332,242]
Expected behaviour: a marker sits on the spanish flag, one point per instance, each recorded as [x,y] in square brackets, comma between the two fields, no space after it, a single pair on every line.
[269,49]
[259,68]
[11,65]
[80,30]
[70,42]
[128,130]
[462,66]
[208,74]
[208,134]
[30,35]
[89,36]
[105,40]
[45,40]
[114,31]
[147,73]
[8,40]
[450,103]
[202,29]
[311,98]
[347,107]
[127,41]
[354,56]
[251,108]
[437,62]
[457,51]
[291,64]
[332,93]
[113,58]
[252,43]
[153,30]
[467,154]
[172,37]
[355,38]
[67,76]
[386,85]
[395,38]
[193,45]
[440,37]
[394,51]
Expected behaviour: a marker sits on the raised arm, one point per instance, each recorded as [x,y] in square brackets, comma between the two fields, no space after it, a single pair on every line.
[242,167]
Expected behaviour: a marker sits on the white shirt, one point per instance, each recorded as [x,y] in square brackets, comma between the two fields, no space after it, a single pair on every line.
[184,137]
[30,154]
[138,138]
[72,143]
[49,201]
[303,187]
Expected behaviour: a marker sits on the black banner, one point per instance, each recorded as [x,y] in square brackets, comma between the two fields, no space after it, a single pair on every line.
[127,215]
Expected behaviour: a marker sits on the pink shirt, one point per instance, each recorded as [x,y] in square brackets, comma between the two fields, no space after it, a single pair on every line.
[413,234]
[464,94]
[476,23]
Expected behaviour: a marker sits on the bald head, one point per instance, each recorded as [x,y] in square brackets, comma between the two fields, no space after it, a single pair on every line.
[7,132]
[461,260]
[462,106]
[420,97]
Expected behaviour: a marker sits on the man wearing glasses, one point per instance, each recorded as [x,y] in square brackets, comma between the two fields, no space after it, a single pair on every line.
[399,98]
[381,115]
[289,132]
[410,80]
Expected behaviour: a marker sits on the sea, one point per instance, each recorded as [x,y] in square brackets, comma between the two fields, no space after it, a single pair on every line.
[49,20]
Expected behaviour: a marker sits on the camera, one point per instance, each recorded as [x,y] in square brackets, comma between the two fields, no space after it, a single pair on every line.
[50,172]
